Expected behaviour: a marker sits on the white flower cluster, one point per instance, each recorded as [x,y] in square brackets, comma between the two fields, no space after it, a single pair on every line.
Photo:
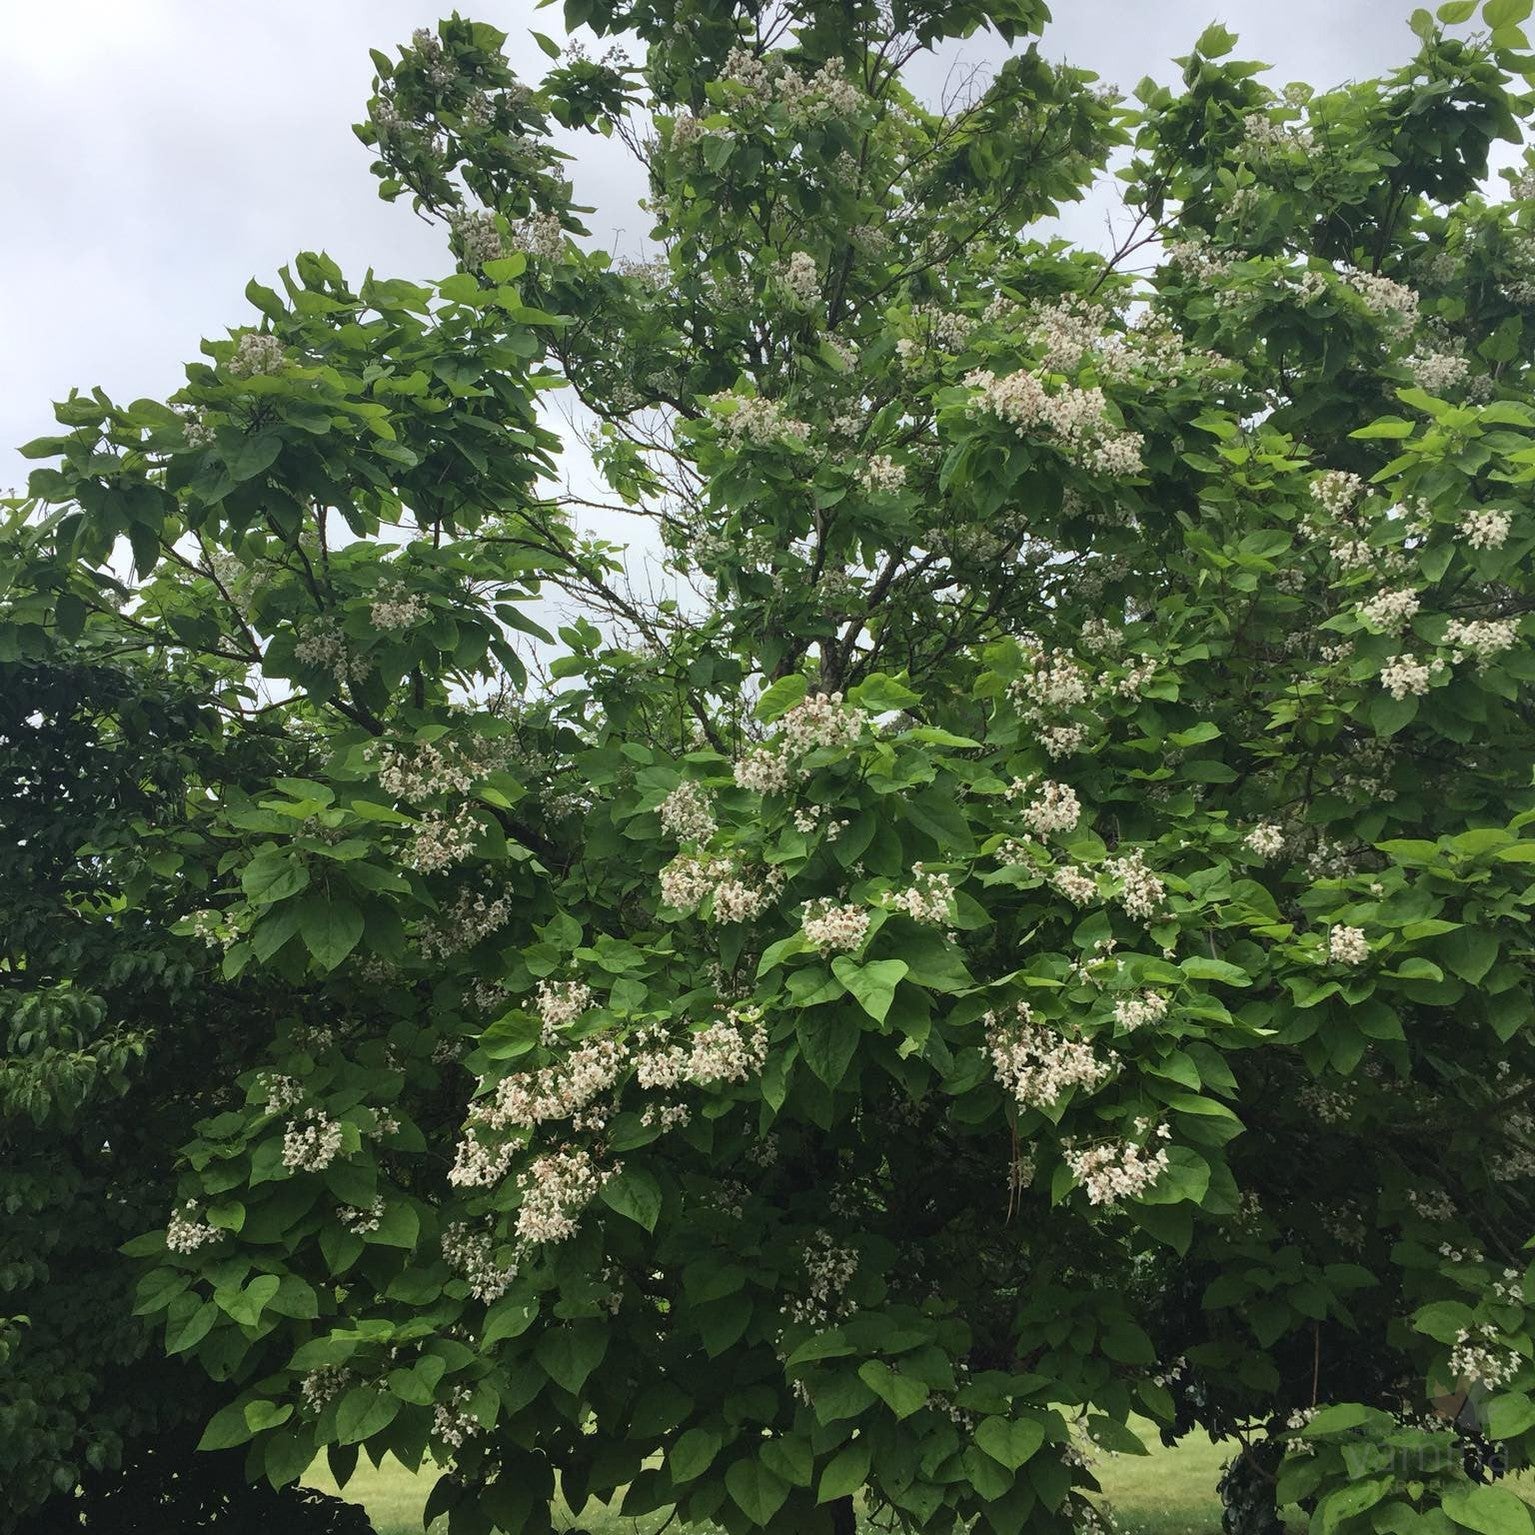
[473,1254]
[441,839]
[757,421]
[1115,1171]
[412,772]
[1386,300]
[438,68]
[1052,807]
[1347,945]
[1431,1204]
[830,1269]
[559,1003]
[198,430]
[186,1231]
[1075,884]
[1437,372]
[729,1050]
[800,279]
[939,328]
[1481,638]
[1144,1007]
[561,1091]
[555,1189]
[1053,680]
[256,353]
[1477,1360]
[321,644]
[311,1142]
[474,915]
[1262,136]
[1390,611]
[1336,491]
[1141,892]
[362,1222]
[821,720]
[1403,676]
[883,473]
[282,1093]
[929,897]
[832,928]
[539,235]
[1036,1064]
[688,880]
[478,237]
[1199,260]
[826,93]
[319,1388]
[1266,839]
[452,1422]
[393,607]
[687,814]
[1077,418]
[1063,740]
[1486,527]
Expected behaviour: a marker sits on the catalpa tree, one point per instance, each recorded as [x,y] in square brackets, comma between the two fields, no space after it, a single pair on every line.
[1032,935]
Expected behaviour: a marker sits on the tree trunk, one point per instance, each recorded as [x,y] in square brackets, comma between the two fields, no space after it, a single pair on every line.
[1247,1491]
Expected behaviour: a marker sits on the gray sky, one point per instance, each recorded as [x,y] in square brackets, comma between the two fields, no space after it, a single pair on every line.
[160,153]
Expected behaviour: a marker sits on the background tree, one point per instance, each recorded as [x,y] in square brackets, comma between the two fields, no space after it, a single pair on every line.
[96,1092]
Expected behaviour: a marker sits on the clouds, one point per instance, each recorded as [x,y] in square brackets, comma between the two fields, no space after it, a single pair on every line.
[160,154]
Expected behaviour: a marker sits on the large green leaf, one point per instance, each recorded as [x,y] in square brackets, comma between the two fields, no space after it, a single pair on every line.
[873,983]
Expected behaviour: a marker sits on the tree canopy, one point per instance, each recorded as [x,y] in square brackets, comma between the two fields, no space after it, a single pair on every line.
[1031,930]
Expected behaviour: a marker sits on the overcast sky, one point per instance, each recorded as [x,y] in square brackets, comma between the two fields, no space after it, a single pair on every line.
[159,153]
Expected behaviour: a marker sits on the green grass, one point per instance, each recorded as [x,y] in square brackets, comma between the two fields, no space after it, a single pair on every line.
[1169,1492]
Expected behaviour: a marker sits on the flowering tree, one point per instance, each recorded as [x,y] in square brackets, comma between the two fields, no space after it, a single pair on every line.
[1035,933]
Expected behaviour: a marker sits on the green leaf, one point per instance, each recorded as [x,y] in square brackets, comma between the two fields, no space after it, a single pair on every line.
[1506,13]
[781,696]
[250,455]
[262,1414]
[828,1040]
[755,1490]
[1009,1441]
[872,984]
[1385,426]
[1453,12]
[364,1411]
[331,930]
[1470,952]
[692,1454]
[845,1472]
[880,694]
[1215,41]
[273,876]
[1509,1415]
[900,1393]
[226,1428]
[1344,1502]
[1443,1320]
[569,1354]
[634,1193]
[508,1317]
[1488,1510]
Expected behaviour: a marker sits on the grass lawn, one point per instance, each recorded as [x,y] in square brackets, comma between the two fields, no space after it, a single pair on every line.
[1169,1492]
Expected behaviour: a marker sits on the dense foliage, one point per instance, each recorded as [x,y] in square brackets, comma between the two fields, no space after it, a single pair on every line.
[96,1093]
[1032,930]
